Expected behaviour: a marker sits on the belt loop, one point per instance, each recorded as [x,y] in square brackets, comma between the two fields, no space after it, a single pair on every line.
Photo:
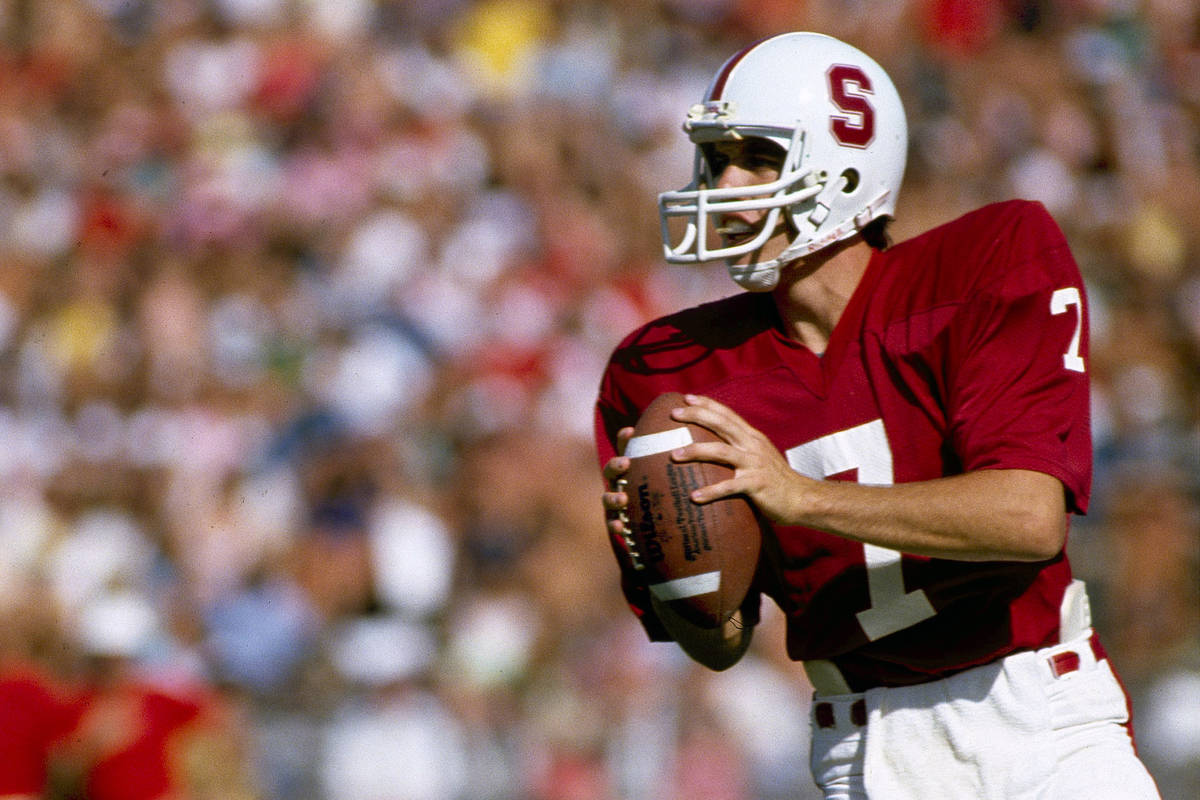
[825,713]
[1064,663]
[858,712]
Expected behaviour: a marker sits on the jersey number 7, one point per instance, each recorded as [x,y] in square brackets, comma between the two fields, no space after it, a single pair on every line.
[865,448]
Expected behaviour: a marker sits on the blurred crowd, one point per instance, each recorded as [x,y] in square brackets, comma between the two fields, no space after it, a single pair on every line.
[303,306]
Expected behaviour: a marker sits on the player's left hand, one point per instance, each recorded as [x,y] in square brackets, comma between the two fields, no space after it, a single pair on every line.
[761,473]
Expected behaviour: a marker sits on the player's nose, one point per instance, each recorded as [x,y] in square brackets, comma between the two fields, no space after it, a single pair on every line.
[734,224]
[734,175]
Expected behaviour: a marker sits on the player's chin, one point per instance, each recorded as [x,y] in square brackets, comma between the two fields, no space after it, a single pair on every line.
[752,275]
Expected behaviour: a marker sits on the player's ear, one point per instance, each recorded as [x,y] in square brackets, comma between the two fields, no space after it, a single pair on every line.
[875,233]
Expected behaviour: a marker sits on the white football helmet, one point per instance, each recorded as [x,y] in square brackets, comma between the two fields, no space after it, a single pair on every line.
[838,118]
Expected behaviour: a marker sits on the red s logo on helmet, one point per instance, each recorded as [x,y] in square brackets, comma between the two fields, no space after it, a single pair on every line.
[849,88]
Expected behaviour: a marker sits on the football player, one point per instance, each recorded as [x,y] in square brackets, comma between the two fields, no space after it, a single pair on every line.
[912,420]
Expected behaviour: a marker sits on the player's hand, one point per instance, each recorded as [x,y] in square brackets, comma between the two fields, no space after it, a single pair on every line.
[615,499]
[761,472]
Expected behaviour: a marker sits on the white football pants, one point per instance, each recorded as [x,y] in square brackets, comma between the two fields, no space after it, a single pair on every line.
[1045,725]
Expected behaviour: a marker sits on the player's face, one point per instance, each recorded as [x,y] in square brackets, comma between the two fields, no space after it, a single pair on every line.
[747,162]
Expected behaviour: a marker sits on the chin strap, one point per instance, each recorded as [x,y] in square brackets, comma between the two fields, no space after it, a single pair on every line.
[848,228]
[762,276]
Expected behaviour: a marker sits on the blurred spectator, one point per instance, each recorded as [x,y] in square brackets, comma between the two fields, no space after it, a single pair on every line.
[391,737]
[136,736]
[39,712]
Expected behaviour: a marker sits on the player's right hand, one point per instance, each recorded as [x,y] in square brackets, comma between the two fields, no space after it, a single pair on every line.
[615,499]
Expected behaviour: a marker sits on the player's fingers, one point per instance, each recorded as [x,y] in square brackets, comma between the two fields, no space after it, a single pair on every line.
[615,468]
[617,529]
[699,406]
[717,417]
[716,491]
[615,501]
[717,452]
[623,437]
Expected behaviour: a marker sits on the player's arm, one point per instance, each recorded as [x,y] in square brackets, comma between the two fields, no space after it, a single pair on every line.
[986,515]
[715,648]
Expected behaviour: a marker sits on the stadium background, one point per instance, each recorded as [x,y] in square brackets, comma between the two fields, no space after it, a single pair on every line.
[302,309]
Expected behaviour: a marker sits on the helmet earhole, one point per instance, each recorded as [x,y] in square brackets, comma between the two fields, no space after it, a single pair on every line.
[851,177]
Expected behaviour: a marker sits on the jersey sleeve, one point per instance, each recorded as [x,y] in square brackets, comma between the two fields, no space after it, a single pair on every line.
[1018,394]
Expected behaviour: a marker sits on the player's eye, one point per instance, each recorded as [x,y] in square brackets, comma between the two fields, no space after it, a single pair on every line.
[763,154]
[717,161]
[757,161]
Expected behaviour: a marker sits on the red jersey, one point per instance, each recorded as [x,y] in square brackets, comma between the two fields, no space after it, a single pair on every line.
[145,767]
[36,714]
[961,349]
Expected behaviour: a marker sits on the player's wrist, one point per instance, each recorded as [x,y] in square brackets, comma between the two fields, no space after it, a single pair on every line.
[800,499]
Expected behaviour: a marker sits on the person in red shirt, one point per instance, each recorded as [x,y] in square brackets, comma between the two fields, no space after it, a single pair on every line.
[912,419]
[143,732]
[37,713]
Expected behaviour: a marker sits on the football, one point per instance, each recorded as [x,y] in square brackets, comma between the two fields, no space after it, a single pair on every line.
[700,559]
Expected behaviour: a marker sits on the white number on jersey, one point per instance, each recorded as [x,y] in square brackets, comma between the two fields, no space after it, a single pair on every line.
[1059,302]
[866,449]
